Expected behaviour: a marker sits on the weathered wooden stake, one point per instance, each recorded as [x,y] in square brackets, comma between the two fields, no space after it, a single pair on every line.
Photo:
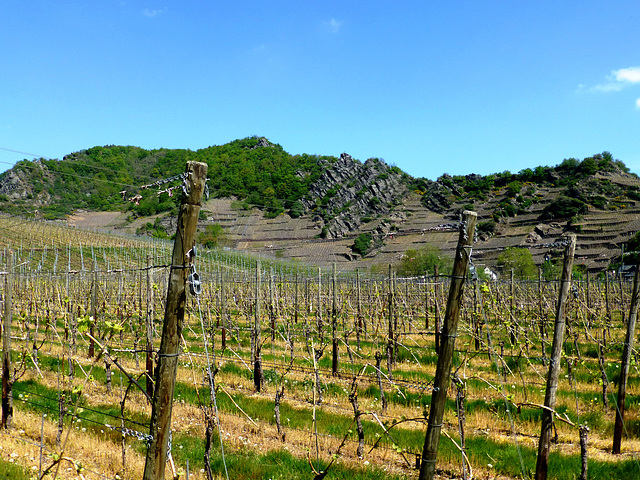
[584,458]
[149,327]
[626,357]
[94,309]
[542,462]
[447,344]
[257,358]
[223,308]
[272,306]
[296,308]
[334,324]
[436,315]
[319,324]
[7,381]
[390,332]
[195,177]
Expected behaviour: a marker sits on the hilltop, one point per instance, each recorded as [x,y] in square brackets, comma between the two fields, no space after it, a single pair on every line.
[315,208]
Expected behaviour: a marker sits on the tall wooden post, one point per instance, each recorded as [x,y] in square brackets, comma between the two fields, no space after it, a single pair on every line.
[436,317]
[223,308]
[626,356]
[334,324]
[514,324]
[149,328]
[390,325]
[94,309]
[359,314]
[320,326]
[7,381]
[272,306]
[195,177]
[296,308]
[542,462]
[257,357]
[447,344]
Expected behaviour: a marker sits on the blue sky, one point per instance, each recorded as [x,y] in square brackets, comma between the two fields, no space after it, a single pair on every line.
[431,86]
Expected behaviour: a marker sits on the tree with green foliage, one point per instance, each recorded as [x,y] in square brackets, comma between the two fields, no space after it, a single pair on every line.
[520,261]
[362,244]
[564,207]
[423,262]
[551,270]
[213,236]
[514,188]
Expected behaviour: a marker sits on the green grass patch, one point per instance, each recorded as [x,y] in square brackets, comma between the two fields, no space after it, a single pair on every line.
[276,464]
[9,470]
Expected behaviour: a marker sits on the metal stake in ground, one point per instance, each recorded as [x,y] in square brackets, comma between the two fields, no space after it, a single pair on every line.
[196,174]
[542,462]
[447,345]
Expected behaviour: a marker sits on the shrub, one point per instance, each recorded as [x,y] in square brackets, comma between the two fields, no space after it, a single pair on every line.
[213,236]
[487,227]
[520,261]
[296,210]
[362,244]
[514,188]
[564,207]
[423,261]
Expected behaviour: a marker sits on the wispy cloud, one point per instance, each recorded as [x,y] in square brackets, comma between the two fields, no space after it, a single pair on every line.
[153,13]
[332,26]
[618,80]
[638,103]
[258,49]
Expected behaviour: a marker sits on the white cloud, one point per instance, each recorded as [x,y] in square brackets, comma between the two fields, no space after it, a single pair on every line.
[638,103]
[629,75]
[333,25]
[617,80]
[153,13]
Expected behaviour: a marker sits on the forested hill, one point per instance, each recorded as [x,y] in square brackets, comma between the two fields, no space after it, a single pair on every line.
[340,192]
[251,169]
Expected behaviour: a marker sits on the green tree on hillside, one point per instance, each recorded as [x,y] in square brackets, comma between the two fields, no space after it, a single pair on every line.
[520,261]
[213,236]
[423,262]
[362,244]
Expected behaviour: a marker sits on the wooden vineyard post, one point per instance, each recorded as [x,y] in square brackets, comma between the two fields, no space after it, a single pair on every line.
[477,326]
[334,324]
[94,315]
[359,303]
[257,359]
[426,302]
[447,344]
[223,309]
[149,328]
[194,183]
[296,308]
[272,307]
[7,382]
[624,369]
[390,332]
[512,311]
[319,324]
[436,324]
[542,462]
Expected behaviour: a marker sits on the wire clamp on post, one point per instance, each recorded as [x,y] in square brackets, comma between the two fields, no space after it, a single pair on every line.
[195,286]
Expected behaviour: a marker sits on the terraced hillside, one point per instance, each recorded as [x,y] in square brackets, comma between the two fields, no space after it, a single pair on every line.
[313,208]
[601,232]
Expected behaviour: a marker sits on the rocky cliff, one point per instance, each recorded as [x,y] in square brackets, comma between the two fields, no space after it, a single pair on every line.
[349,193]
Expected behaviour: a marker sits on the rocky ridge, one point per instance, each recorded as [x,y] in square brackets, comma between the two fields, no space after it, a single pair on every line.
[349,192]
